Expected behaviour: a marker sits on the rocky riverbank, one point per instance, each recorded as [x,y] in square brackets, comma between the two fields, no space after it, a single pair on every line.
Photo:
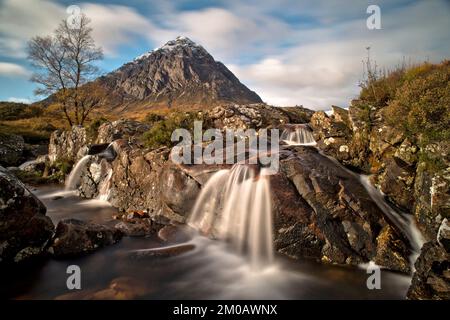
[321,210]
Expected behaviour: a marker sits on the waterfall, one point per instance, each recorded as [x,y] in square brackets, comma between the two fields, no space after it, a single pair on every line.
[235,205]
[105,187]
[298,135]
[109,153]
[75,175]
[404,222]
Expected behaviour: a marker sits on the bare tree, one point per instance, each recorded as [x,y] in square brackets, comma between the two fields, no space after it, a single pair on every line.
[64,64]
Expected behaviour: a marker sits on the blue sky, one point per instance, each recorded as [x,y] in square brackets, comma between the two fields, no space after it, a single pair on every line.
[289,51]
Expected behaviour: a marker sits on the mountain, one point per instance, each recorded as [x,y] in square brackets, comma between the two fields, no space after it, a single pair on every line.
[179,74]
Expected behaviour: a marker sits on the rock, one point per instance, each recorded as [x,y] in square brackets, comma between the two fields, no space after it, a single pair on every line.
[122,288]
[432,277]
[178,190]
[37,165]
[24,227]
[392,253]
[68,145]
[443,236]
[164,252]
[432,199]
[396,180]
[74,237]
[120,129]
[138,227]
[11,150]
[295,231]
[332,134]
[407,152]
[256,116]
[33,151]
[175,233]
[337,220]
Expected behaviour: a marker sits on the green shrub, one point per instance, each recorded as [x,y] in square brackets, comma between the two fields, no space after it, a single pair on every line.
[161,130]
[92,128]
[153,117]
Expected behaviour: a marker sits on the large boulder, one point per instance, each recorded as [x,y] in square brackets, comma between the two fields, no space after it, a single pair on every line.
[75,237]
[12,149]
[24,227]
[336,220]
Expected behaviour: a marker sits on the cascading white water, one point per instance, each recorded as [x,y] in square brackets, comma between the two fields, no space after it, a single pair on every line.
[298,135]
[235,205]
[104,188]
[404,222]
[75,175]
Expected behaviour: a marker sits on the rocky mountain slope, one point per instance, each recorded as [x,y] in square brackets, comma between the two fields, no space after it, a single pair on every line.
[179,74]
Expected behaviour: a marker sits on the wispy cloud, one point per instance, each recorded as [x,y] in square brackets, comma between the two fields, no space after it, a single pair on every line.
[12,69]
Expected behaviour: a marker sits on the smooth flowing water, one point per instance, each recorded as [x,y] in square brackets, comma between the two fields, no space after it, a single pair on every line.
[298,135]
[212,270]
[235,205]
[405,222]
[104,189]
[75,175]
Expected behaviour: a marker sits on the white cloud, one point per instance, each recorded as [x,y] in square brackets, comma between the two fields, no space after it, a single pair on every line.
[12,69]
[21,20]
[324,66]
[19,100]
[115,25]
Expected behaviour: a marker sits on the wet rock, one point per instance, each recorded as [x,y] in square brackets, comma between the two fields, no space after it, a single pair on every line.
[24,227]
[138,226]
[164,252]
[178,190]
[295,232]
[432,277]
[74,237]
[122,288]
[11,150]
[338,214]
[175,233]
[392,253]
